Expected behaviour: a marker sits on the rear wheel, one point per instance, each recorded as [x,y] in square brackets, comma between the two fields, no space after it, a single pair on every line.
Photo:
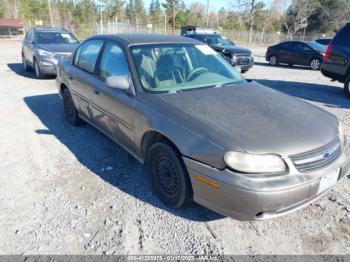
[25,65]
[70,110]
[347,87]
[168,175]
[315,64]
[273,60]
[37,71]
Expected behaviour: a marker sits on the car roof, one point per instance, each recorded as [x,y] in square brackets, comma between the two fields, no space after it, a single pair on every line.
[54,30]
[138,39]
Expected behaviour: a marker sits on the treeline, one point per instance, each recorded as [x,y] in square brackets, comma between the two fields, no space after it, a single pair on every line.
[301,17]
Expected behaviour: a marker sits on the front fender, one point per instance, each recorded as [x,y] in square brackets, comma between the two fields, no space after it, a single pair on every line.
[188,142]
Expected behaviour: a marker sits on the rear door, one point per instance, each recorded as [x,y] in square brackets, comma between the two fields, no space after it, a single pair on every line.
[302,54]
[284,52]
[81,74]
[29,46]
[113,109]
[340,55]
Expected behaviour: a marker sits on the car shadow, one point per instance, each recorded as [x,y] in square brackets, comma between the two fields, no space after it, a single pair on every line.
[19,70]
[283,66]
[330,96]
[103,157]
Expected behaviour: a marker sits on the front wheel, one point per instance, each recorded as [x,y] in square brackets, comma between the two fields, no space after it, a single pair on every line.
[347,87]
[37,71]
[168,175]
[315,64]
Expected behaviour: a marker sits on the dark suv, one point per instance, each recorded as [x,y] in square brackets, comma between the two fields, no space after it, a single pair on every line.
[337,59]
[236,56]
[43,47]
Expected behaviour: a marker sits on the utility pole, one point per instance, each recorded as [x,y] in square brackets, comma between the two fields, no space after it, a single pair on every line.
[50,12]
[174,13]
[101,20]
[165,22]
[207,13]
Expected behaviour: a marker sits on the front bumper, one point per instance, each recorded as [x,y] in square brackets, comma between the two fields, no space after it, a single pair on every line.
[48,64]
[243,66]
[245,197]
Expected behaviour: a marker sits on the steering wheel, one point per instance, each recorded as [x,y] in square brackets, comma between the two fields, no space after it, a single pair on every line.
[198,70]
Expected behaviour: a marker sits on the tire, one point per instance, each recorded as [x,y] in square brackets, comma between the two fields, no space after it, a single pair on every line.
[273,60]
[70,110]
[37,71]
[347,87]
[168,175]
[26,67]
[315,64]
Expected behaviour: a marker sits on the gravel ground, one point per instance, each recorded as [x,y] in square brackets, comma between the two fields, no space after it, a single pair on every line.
[68,190]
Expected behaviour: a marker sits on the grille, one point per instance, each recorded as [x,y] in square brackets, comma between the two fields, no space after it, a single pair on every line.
[317,159]
[242,59]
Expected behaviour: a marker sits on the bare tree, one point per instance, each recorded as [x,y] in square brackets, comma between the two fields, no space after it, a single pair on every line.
[251,8]
[298,14]
[12,8]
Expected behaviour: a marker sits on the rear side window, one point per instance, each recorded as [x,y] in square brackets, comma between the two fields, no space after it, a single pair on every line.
[87,55]
[286,45]
[343,37]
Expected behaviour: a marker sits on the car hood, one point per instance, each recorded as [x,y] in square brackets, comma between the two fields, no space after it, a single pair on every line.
[59,48]
[232,49]
[253,118]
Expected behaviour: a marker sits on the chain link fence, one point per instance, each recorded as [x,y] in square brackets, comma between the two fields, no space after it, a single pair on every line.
[244,38]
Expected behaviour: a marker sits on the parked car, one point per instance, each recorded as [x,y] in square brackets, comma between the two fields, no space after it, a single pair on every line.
[323,41]
[296,53]
[42,48]
[337,59]
[204,132]
[235,55]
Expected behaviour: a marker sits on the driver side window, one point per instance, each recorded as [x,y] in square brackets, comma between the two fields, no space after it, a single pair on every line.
[113,62]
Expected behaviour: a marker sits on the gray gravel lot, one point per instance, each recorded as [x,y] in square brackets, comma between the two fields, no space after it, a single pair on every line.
[68,190]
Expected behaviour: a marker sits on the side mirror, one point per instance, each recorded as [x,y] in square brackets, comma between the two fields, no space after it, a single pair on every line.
[118,82]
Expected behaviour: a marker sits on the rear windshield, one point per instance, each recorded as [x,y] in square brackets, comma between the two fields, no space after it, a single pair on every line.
[55,38]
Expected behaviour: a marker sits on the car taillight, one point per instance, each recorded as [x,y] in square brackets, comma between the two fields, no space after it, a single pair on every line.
[328,52]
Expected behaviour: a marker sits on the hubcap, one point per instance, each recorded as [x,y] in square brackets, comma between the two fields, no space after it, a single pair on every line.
[36,69]
[24,63]
[315,64]
[167,176]
[273,60]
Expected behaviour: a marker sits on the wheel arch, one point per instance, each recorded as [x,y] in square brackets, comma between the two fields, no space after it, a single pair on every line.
[153,136]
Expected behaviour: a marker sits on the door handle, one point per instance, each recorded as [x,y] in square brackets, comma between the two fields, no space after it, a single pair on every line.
[97,92]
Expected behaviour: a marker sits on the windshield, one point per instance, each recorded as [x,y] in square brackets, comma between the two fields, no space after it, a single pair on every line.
[55,38]
[218,40]
[173,68]
[316,46]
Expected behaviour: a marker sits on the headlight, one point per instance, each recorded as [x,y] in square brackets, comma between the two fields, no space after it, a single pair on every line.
[251,163]
[233,59]
[44,52]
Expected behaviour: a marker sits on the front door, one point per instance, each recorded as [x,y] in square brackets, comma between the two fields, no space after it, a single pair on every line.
[113,109]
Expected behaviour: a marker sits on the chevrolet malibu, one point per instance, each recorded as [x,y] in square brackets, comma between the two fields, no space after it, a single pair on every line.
[204,133]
